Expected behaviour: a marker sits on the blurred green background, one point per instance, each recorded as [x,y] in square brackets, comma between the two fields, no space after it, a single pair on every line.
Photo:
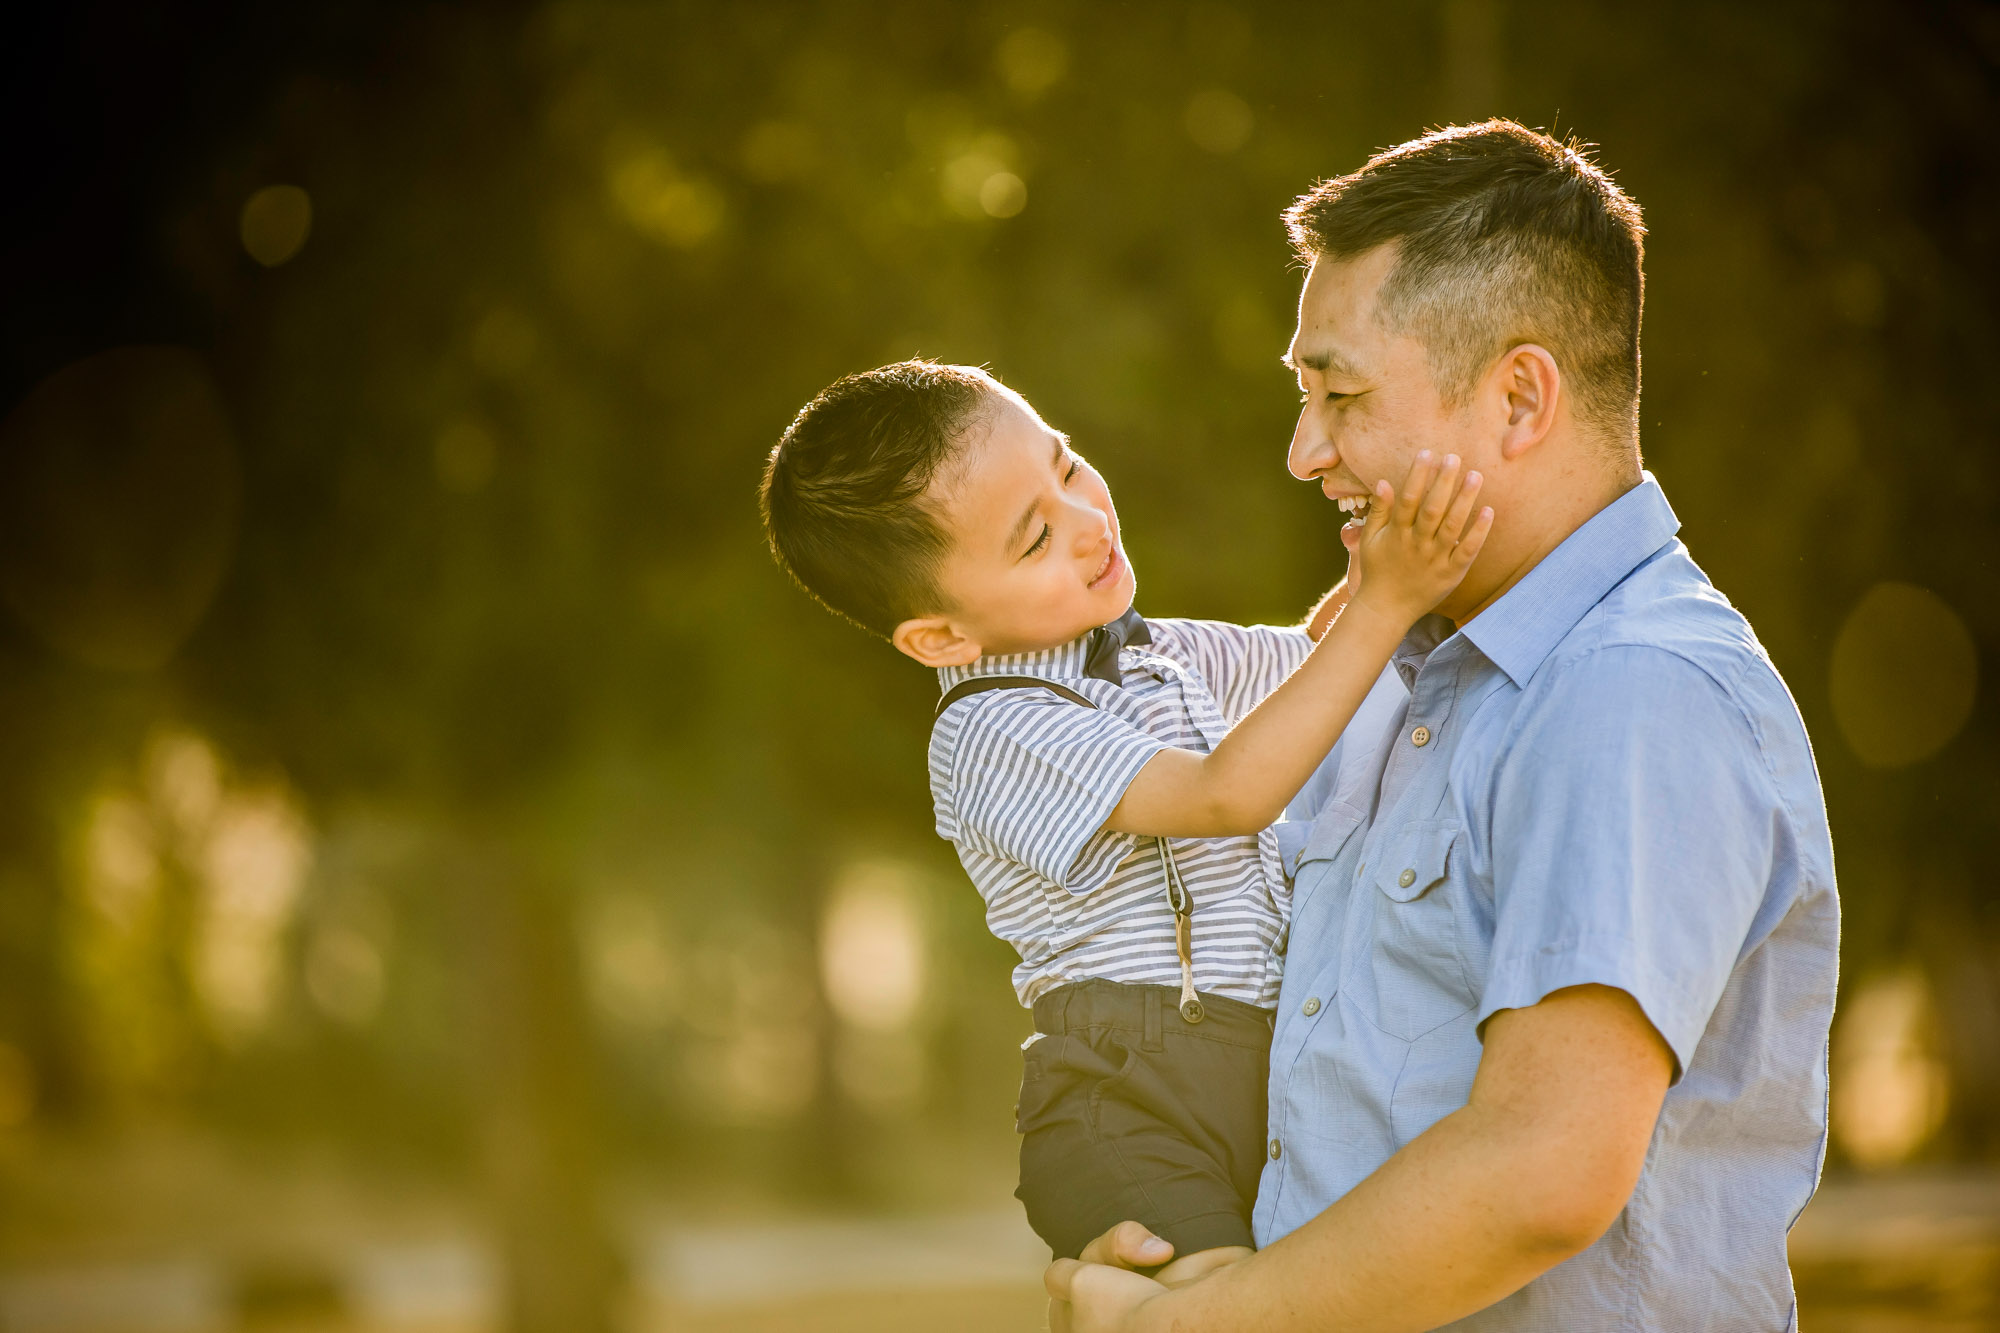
[448,878]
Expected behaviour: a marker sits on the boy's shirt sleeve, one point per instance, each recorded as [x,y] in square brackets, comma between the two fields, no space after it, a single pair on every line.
[1031,777]
[1240,663]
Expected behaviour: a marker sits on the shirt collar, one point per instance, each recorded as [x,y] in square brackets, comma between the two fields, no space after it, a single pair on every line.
[1519,631]
[1064,662]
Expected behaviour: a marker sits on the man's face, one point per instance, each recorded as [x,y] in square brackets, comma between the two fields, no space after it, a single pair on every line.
[1035,558]
[1370,403]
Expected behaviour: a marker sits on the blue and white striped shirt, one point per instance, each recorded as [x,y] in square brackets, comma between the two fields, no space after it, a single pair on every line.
[1023,781]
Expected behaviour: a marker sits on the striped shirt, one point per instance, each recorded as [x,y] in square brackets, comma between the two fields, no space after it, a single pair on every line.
[1023,780]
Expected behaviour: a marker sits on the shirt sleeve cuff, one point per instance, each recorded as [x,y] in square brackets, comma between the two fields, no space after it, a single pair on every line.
[1522,983]
[1085,859]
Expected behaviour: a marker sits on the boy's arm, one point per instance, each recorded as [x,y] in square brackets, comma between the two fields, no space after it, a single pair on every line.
[1245,782]
[1417,552]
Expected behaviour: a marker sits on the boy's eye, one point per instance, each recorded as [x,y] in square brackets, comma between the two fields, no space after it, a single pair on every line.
[1040,542]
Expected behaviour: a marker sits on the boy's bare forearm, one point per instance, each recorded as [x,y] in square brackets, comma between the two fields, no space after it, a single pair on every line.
[1246,782]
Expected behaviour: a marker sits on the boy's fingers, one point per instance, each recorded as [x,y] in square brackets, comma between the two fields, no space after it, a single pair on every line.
[1438,498]
[1414,487]
[1467,550]
[1453,527]
[1378,512]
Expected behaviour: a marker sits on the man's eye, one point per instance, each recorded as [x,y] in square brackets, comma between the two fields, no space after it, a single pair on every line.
[1071,474]
[1040,542]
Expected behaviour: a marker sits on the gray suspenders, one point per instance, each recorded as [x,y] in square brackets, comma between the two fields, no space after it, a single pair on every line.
[1178,897]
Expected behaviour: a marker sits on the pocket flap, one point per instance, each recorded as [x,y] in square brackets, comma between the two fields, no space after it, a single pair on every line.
[1331,829]
[1415,860]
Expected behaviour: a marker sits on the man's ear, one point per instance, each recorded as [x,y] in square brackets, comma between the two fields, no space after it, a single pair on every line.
[934,641]
[1531,390]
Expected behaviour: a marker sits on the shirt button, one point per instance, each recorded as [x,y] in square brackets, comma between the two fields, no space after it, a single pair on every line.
[1277,1150]
[1407,878]
[1310,1007]
[1421,736]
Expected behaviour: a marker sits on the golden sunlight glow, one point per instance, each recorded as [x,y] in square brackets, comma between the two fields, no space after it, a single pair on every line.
[254,863]
[1903,676]
[275,223]
[1889,1088]
[872,947]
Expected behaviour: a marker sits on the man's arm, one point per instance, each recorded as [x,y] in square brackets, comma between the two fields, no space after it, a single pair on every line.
[1536,1165]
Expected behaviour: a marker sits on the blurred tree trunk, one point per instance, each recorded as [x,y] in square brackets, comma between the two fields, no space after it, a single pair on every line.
[540,1110]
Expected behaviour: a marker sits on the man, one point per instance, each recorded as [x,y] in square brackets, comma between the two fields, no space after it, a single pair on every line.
[1550,1050]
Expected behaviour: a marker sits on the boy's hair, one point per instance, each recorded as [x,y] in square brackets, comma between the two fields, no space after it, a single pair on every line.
[843,495]
[1506,236]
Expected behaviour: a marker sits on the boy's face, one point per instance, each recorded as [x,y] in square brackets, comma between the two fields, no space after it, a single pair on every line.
[1035,558]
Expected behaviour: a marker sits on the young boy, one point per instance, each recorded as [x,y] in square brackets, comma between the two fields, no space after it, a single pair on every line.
[1109,782]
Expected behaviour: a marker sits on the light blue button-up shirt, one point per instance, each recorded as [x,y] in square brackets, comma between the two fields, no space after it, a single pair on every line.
[1600,779]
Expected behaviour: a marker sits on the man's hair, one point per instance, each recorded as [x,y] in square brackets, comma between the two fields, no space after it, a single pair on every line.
[843,495]
[1504,236]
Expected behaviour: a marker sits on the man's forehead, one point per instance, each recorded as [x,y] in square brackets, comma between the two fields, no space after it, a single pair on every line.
[1336,309]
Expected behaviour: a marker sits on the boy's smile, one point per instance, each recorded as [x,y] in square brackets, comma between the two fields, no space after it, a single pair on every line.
[1035,559]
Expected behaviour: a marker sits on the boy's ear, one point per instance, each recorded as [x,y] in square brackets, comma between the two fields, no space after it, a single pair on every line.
[934,641]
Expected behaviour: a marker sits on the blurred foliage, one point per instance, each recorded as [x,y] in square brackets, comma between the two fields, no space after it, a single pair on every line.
[574,768]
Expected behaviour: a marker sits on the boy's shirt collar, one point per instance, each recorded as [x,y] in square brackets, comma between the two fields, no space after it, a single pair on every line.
[1069,661]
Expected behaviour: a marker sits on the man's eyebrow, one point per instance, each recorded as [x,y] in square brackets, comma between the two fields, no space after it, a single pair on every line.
[1020,528]
[1324,360]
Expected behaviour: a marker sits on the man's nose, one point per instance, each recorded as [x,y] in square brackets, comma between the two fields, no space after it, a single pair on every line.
[1312,453]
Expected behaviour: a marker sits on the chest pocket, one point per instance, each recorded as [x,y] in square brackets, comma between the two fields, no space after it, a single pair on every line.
[1416,950]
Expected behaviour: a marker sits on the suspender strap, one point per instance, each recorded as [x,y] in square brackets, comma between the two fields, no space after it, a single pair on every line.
[980,684]
[1178,898]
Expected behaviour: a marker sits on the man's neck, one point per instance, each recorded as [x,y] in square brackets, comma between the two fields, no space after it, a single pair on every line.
[1553,525]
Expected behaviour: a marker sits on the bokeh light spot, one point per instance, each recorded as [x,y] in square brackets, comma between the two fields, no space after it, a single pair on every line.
[1003,195]
[1031,61]
[970,173]
[872,947]
[275,224]
[465,456]
[1218,120]
[1903,676]
[1889,1088]
[119,494]
[665,204]
[257,851]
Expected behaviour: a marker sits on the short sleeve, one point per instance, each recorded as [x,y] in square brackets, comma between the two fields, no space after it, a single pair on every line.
[1239,663]
[1634,829]
[1032,777]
